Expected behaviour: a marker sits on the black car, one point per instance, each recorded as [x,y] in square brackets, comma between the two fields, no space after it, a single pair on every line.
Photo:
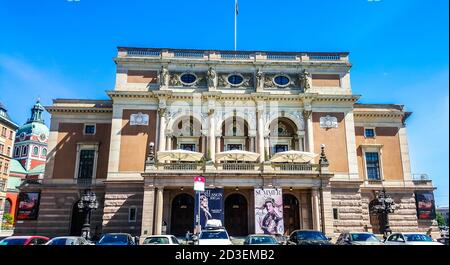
[308,237]
[121,239]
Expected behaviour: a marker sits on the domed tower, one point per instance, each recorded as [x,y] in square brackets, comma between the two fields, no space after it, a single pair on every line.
[30,148]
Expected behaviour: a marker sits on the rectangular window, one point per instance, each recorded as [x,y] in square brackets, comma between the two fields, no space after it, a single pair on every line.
[132,214]
[86,164]
[2,147]
[280,148]
[234,147]
[188,147]
[89,129]
[9,151]
[335,213]
[369,133]
[4,131]
[5,169]
[11,135]
[373,166]
[17,152]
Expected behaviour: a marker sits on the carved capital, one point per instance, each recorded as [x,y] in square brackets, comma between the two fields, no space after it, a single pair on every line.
[307,114]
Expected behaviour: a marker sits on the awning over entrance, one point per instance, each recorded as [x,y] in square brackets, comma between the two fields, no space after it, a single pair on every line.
[179,155]
[237,155]
[293,156]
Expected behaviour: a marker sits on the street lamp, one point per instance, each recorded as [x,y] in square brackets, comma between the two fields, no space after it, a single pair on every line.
[87,203]
[383,205]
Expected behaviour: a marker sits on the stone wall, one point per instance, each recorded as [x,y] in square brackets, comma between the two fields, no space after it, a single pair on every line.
[119,198]
[56,210]
[350,210]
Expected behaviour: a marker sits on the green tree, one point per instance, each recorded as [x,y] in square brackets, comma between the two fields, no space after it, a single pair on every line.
[440,219]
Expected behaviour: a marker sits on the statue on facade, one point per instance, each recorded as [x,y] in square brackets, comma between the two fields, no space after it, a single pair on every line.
[164,76]
[259,79]
[304,79]
[212,78]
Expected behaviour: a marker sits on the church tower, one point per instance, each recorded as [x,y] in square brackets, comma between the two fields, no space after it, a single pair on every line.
[30,147]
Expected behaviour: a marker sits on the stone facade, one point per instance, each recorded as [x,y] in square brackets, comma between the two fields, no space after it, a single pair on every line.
[211,102]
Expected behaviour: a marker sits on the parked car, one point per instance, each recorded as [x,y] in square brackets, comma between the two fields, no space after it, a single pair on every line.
[261,240]
[68,240]
[410,239]
[308,237]
[24,240]
[213,236]
[443,240]
[358,238]
[121,239]
[161,240]
[282,240]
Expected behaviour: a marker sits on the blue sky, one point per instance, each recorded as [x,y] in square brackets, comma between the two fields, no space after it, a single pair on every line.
[399,50]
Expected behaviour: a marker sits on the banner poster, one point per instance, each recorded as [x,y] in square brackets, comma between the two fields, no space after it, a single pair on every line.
[269,211]
[211,205]
[28,206]
[425,205]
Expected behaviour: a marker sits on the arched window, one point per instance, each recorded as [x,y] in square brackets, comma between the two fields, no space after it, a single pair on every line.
[17,151]
[25,150]
[7,208]
[44,152]
[35,151]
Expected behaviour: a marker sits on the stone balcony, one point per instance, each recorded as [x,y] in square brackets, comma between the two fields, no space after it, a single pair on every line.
[226,55]
[190,168]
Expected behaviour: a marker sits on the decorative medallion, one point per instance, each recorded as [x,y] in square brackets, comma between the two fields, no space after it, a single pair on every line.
[139,119]
[328,122]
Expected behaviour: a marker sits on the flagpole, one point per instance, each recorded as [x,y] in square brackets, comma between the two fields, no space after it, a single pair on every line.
[235,21]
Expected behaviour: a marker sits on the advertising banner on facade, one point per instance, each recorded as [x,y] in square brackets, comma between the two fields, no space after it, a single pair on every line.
[269,211]
[425,205]
[211,205]
[28,206]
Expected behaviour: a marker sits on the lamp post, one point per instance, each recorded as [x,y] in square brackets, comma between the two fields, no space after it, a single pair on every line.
[383,205]
[87,203]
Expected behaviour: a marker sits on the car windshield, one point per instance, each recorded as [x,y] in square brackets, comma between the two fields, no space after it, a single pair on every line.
[263,240]
[213,235]
[62,241]
[310,235]
[106,239]
[13,241]
[156,240]
[364,237]
[418,237]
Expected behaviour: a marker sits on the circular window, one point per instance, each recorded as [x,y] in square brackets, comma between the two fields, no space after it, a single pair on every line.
[281,80]
[42,137]
[235,79]
[22,136]
[188,79]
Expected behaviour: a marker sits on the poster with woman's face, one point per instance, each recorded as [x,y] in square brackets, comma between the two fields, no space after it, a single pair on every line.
[28,206]
[269,211]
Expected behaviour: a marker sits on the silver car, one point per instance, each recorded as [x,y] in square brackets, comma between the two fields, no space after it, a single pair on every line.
[358,238]
[410,239]
[68,240]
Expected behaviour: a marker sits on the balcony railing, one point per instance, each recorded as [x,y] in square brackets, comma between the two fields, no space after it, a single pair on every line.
[420,177]
[306,167]
[239,166]
[324,58]
[84,182]
[180,166]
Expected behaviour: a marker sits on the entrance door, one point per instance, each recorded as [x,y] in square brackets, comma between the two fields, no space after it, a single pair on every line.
[291,214]
[77,221]
[236,221]
[182,217]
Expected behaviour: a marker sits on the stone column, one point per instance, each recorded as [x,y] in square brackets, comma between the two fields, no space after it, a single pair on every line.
[162,128]
[211,138]
[327,211]
[309,128]
[218,144]
[315,209]
[260,134]
[266,146]
[203,145]
[159,210]
[148,207]
[169,142]
[252,144]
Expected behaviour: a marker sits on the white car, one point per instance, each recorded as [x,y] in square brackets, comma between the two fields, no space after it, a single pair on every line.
[214,236]
[161,240]
[410,239]
[68,240]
